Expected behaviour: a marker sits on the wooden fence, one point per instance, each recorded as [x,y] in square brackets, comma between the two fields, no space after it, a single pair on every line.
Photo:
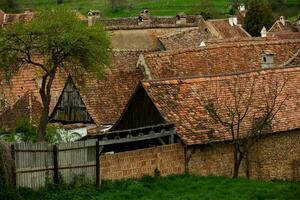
[36,163]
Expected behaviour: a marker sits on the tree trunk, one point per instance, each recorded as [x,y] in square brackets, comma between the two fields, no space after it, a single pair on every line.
[45,92]
[43,123]
[238,157]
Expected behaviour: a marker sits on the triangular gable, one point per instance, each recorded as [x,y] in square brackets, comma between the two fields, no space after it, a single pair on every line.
[140,112]
[70,107]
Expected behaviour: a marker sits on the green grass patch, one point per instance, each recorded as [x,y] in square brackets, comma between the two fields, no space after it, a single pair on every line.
[156,7]
[179,187]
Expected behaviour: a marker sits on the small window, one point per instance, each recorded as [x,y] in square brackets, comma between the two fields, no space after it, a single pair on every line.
[265,59]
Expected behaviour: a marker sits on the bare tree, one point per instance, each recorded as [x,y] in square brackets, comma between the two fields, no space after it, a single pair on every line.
[244,108]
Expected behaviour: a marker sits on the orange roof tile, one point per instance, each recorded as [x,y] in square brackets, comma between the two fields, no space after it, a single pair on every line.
[218,58]
[226,30]
[104,98]
[179,101]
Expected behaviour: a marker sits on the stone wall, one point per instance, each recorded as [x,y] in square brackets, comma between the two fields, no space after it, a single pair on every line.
[274,157]
[168,159]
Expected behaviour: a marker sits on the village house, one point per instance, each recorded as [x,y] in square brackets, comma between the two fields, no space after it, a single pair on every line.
[102,100]
[207,147]
[217,29]
[283,29]
[218,57]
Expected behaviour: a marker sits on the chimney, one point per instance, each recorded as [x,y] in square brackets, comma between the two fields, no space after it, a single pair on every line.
[90,21]
[92,15]
[144,18]
[282,20]
[263,32]
[230,20]
[242,8]
[233,20]
[181,18]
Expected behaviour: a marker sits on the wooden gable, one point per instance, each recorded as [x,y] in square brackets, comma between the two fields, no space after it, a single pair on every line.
[70,108]
[139,112]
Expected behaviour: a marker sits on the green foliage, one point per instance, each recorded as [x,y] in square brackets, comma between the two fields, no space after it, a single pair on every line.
[206,9]
[8,5]
[24,131]
[173,187]
[156,7]
[7,193]
[54,40]
[259,15]
[59,36]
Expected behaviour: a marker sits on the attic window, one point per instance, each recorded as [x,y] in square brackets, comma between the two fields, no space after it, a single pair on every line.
[267,59]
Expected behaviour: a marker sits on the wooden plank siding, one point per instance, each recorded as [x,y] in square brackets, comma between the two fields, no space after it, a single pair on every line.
[70,107]
[35,162]
[140,112]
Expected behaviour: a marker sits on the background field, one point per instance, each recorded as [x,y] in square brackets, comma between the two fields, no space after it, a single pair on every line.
[156,7]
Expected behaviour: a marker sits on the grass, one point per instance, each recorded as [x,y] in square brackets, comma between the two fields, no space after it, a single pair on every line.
[156,7]
[179,187]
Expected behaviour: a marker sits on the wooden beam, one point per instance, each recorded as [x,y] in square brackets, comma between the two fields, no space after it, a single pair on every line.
[171,139]
[137,138]
[161,141]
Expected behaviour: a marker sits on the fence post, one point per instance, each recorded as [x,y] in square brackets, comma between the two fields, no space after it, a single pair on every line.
[13,156]
[55,164]
[97,164]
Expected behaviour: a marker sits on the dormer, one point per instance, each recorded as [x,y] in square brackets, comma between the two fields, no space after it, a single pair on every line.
[144,18]
[267,59]
[181,18]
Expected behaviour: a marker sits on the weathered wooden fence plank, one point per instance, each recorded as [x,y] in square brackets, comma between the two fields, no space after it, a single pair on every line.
[36,163]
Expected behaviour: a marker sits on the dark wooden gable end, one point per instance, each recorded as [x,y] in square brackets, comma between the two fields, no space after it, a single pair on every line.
[139,112]
[70,108]
[141,125]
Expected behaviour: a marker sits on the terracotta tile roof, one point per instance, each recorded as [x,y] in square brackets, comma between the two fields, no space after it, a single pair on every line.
[294,61]
[185,39]
[104,98]
[287,35]
[179,101]
[226,30]
[279,27]
[219,58]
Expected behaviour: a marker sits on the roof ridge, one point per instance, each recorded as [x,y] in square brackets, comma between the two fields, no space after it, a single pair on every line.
[177,33]
[291,59]
[182,79]
[219,45]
